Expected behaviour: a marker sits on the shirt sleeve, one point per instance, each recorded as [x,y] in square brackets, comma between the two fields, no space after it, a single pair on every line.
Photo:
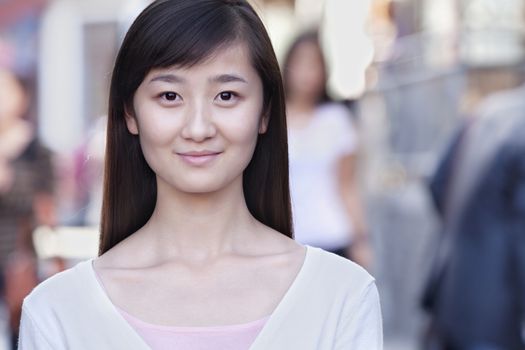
[339,128]
[363,328]
[31,337]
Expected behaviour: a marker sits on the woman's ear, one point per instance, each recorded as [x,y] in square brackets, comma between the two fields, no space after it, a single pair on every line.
[131,121]
[263,123]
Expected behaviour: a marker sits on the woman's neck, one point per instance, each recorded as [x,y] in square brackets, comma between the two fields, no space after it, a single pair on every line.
[301,105]
[200,226]
[299,115]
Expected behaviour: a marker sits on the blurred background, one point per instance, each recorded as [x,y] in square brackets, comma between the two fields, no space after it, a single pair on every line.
[410,72]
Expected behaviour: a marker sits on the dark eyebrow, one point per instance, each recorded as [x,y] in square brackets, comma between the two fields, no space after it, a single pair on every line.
[227,78]
[223,78]
[168,78]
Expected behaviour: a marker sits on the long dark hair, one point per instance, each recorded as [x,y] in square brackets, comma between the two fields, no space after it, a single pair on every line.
[184,33]
[311,36]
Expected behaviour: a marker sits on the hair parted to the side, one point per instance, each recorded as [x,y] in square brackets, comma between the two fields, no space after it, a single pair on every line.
[184,33]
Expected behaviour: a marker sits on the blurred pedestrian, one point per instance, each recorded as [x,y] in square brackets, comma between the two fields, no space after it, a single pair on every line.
[196,222]
[26,195]
[476,293]
[323,148]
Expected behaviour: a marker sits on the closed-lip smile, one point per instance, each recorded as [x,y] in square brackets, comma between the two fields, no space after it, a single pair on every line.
[198,158]
[198,153]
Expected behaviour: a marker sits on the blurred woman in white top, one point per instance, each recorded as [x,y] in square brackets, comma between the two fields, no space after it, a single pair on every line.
[323,144]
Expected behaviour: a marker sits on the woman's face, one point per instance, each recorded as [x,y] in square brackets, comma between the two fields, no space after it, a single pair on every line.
[198,126]
[305,72]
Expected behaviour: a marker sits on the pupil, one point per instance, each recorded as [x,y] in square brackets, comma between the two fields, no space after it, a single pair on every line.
[226,96]
[171,96]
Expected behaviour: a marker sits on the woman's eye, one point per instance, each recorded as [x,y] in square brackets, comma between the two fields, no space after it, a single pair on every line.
[170,96]
[226,96]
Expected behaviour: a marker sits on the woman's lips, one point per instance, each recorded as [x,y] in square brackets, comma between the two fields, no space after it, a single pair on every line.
[199,158]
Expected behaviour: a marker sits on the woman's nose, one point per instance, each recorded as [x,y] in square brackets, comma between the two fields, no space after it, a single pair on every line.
[198,125]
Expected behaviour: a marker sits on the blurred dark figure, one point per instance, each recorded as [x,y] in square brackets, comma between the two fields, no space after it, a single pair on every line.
[476,293]
[26,184]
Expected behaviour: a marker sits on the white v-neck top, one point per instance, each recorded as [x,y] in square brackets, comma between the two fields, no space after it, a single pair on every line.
[160,337]
[332,304]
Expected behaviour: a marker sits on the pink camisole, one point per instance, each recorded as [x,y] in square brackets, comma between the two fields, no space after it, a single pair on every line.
[230,337]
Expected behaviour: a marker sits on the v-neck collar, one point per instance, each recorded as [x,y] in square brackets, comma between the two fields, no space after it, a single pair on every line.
[112,317]
[265,335]
[278,316]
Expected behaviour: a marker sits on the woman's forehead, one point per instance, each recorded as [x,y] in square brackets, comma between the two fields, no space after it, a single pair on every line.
[231,60]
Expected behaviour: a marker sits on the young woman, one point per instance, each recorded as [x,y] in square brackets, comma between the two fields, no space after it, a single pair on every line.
[196,249]
[323,146]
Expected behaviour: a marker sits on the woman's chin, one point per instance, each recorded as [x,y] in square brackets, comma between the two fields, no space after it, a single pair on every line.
[197,186]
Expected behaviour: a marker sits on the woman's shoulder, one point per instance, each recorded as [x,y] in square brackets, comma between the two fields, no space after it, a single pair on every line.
[335,116]
[334,272]
[61,287]
[334,110]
